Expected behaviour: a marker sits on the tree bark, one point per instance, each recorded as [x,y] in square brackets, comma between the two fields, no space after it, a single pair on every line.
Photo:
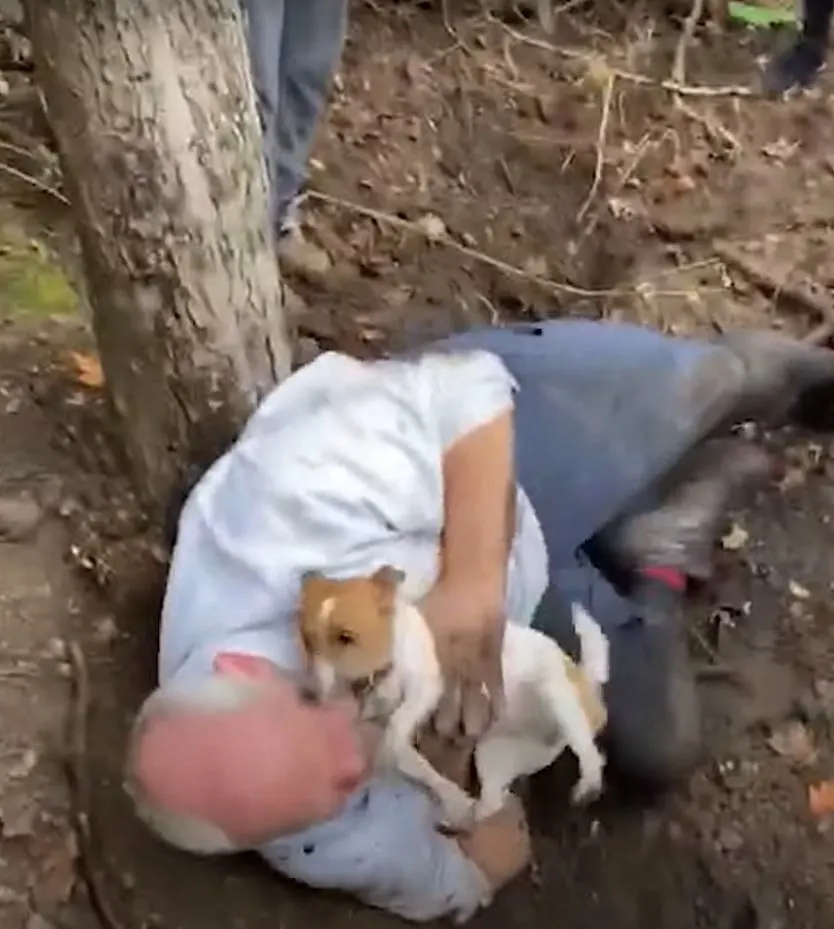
[154,113]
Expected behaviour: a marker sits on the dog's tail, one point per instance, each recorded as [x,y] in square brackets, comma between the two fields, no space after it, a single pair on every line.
[593,645]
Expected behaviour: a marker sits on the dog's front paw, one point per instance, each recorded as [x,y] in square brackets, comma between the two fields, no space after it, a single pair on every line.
[489,804]
[458,813]
[590,784]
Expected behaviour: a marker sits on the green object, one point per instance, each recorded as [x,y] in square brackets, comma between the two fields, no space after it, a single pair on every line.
[760,17]
[32,281]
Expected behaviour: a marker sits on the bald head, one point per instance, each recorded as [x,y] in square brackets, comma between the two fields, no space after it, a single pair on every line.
[235,759]
[168,745]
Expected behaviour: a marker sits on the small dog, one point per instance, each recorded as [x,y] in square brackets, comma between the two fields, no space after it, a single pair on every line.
[361,633]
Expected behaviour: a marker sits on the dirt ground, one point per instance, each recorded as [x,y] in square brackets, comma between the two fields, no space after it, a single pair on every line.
[470,170]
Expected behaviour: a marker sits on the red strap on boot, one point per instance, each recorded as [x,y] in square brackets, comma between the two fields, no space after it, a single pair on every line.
[671,577]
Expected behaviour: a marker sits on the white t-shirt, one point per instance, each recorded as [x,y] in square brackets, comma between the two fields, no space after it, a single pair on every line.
[340,470]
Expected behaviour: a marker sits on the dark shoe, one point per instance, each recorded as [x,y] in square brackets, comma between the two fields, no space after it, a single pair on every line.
[681,530]
[796,67]
[785,381]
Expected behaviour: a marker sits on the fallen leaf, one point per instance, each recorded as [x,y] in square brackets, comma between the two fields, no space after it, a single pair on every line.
[88,369]
[793,477]
[536,265]
[106,630]
[57,872]
[798,591]
[621,208]
[793,741]
[821,799]
[735,539]
[598,72]
[432,227]
[24,765]
[17,818]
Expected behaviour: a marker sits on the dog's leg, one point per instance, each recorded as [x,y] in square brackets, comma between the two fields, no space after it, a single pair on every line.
[568,712]
[493,762]
[400,749]
[501,760]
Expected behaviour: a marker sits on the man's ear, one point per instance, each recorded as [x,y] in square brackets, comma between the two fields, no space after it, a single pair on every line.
[239,664]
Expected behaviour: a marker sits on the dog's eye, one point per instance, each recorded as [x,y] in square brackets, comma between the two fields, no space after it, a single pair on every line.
[343,637]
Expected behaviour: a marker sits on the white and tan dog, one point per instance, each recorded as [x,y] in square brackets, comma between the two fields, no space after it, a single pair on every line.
[361,633]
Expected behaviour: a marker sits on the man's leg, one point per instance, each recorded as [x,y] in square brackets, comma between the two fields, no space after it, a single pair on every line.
[677,521]
[311,47]
[654,724]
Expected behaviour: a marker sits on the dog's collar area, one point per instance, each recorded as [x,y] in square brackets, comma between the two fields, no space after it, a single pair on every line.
[362,686]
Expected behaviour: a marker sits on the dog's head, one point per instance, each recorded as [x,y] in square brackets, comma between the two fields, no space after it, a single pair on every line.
[347,627]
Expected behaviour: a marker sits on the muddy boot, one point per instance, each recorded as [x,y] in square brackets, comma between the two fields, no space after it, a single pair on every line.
[681,529]
[654,715]
[784,381]
[653,735]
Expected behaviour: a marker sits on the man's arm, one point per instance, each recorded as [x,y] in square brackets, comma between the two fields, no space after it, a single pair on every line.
[479,508]
[465,609]
[387,853]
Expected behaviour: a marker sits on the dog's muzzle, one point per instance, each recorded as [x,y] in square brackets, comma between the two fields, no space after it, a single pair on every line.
[362,686]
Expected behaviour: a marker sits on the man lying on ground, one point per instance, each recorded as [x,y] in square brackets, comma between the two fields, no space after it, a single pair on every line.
[508,472]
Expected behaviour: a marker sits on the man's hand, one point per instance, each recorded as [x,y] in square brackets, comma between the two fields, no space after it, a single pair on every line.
[465,609]
[468,630]
[499,846]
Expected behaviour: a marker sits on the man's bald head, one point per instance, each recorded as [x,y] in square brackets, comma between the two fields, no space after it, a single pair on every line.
[159,759]
[233,760]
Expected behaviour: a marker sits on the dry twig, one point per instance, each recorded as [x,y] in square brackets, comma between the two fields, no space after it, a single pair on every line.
[17,671]
[687,34]
[672,86]
[553,287]
[718,132]
[782,283]
[79,779]
[34,182]
[600,160]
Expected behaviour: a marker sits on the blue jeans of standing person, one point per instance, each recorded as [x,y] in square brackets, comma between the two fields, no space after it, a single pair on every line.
[295,47]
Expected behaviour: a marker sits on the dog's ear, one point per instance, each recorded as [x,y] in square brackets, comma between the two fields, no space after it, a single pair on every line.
[386,580]
[388,576]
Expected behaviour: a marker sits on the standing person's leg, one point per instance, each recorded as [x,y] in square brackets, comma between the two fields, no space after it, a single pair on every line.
[311,47]
[264,32]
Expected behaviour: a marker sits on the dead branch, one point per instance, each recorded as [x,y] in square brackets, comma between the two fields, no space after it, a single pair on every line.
[78,776]
[600,160]
[687,34]
[783,283]
[553,287]
[672,86]
[34,182]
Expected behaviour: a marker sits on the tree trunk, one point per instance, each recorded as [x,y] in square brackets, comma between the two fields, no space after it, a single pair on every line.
[154,113]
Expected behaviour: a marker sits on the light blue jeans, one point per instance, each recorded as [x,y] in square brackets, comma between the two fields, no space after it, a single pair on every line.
[295,47]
